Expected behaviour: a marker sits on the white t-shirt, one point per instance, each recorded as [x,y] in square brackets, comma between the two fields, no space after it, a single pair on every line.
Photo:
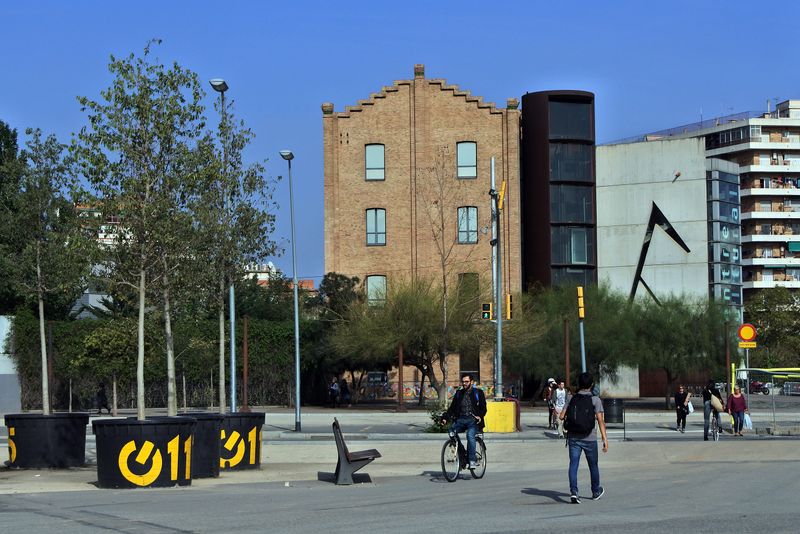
[560,398]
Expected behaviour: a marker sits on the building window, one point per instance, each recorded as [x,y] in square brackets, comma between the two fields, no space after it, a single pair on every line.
[765,205]
[571,120]
[571,204]
[376,227]
[578,245]
[571,162]
[467,159]
[373,156]
[376,290]
[468,224]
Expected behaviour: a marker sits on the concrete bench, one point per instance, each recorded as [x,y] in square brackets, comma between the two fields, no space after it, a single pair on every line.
[349,462]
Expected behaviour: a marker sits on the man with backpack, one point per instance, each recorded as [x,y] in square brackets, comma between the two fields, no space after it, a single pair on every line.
[580,415]
[467,410]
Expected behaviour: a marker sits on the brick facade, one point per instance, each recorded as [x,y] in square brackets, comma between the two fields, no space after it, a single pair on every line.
[419,122]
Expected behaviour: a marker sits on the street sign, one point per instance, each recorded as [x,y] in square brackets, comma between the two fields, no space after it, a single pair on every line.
[747,332]
[747,344]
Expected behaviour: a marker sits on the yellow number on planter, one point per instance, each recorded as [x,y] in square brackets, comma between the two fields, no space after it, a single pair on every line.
[251,437]
[12,447]
[172,451]
[141,458]
[235,440]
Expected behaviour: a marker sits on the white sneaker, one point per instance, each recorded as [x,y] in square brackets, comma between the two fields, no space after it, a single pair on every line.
[474,465]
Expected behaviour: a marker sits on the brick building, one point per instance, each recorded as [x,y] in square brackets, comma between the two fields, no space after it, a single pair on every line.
[409,160]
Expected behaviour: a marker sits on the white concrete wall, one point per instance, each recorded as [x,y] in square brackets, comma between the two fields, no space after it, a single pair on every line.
[630,178]
[9,383]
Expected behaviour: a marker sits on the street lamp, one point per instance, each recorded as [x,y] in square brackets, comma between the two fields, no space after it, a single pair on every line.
[220,86]
[288,156]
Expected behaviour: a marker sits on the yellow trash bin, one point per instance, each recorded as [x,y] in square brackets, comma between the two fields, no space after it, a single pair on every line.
[500,416]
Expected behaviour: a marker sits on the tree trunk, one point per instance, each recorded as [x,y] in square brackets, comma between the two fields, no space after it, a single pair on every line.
[42,340]
[443,384]
[114,394]
[421,400]
[172,400]
[221,304]
[668,392]
[140,342]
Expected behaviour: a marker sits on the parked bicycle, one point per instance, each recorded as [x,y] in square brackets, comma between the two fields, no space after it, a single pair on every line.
[454,457]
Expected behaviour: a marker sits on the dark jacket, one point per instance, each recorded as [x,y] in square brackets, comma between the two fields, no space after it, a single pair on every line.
[478,400]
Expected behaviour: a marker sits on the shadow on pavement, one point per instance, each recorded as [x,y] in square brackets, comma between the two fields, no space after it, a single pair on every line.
[555,496]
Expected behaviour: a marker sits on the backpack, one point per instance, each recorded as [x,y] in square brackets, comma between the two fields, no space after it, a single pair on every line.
[580,415]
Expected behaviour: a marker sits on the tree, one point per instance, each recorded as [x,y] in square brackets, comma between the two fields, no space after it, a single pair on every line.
[10,176]
[51,248]
[774,312]
[233,217]
[679,335]
[134,157]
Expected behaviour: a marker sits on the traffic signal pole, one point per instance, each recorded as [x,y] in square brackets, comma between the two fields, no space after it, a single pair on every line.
[580,328]
[497,207]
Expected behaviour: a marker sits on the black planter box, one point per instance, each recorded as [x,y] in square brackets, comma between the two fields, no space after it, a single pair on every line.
[207,445]
[240,441]
[156,452]
[47,441]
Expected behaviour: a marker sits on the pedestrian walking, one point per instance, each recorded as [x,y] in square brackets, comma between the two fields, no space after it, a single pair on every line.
[560,402]
[712,405]
[102,399]
[580,416]
[681,407]
[547,396]
[344,392]
[737,407]
[333,392]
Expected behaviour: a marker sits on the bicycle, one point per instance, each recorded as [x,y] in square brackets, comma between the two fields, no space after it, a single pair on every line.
[713,427]
[455,458]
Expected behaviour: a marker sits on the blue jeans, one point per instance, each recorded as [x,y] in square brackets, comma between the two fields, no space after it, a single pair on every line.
[589,449]
[738,422]
[471,426]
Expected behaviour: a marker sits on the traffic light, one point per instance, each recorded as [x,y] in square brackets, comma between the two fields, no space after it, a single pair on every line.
[580,302]
[508,305]
[486,310]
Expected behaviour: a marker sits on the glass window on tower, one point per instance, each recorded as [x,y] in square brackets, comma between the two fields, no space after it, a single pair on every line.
[571,204]
[571,120]
[570,162]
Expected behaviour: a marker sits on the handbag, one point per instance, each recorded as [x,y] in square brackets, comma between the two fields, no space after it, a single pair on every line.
[691,408]
[748,423]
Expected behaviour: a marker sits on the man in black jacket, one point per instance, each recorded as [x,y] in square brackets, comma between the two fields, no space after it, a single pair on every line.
[467,410]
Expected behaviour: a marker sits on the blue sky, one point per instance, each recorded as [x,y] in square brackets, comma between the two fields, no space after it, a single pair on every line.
[651,65]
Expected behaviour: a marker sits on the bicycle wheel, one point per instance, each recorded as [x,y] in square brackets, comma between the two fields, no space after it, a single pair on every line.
[480,457]
[451,463]
[714,429]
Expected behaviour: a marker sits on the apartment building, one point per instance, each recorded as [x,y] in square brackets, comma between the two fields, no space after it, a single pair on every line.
[758,214]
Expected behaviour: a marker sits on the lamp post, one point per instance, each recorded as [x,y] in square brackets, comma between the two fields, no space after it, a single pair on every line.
[220,86]
[288,156]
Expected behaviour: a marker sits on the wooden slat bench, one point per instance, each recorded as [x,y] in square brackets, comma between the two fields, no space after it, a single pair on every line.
[349,462]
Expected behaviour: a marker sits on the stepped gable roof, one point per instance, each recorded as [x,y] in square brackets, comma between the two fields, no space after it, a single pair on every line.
[419,72]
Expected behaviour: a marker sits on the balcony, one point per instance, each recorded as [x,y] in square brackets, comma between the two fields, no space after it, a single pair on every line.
[786,213]
[787,166]
[763,284]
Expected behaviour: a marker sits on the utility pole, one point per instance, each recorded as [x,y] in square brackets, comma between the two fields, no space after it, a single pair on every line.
[497,208]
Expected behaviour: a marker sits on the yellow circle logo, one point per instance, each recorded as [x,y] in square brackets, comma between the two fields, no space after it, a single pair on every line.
[145,453]
[12,447]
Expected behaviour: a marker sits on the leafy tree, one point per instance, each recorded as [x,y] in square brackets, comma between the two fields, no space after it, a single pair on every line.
[775,312]
[10,176]
[233,217]
[273,301]
[51,256]
[135,155]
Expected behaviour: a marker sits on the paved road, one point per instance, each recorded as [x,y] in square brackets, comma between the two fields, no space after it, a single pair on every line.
[650,487]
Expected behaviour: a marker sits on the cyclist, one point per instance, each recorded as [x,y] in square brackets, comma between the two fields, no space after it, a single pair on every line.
[709,391]
[467,410]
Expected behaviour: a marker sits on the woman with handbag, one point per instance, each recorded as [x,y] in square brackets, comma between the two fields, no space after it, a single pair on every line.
[681,407]
[737,407]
